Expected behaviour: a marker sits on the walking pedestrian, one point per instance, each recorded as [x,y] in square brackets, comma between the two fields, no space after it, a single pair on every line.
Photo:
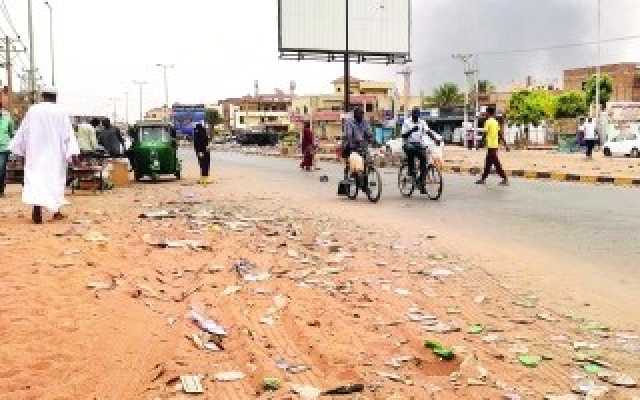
[307,147]
[6,133]
[590,137]
[493,138]
[201,144]
[46,141]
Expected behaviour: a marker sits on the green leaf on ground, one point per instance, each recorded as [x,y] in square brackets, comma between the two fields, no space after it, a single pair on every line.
[476,329]
[444,353]
[529,361]
[592,368]
[432,344]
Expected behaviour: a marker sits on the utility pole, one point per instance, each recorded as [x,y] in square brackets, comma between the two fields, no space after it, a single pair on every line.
[347,67]
[141,85]
[115,110]
[32,60]
[53,60]
[7,55]
[469,73]
[126,108]
[476,120]
[165,67]
[598,75]
[406,75]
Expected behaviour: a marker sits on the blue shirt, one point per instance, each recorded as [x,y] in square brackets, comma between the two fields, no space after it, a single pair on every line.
[356,134]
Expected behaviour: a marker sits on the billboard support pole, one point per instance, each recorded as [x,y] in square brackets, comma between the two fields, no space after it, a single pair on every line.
[347,78]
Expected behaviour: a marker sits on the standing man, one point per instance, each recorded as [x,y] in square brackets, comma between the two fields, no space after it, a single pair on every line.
[590,137]
[46,141]
[87,139]
[111,139]
[493,139]
[202,146]
[6,132]
[357,135]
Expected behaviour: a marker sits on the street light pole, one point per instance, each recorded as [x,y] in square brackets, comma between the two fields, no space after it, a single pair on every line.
[598,71]
[53,60]
[32,61]
[115,110]
[126,108]
[141,85]
[165,67]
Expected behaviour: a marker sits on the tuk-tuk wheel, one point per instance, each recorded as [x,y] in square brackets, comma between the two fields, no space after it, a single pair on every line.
[154,178]
[137,176]
[178,174]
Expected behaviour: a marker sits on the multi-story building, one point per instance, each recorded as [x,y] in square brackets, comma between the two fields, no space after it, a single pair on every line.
[158,114]
[325,111]
[268,112]
[625,76]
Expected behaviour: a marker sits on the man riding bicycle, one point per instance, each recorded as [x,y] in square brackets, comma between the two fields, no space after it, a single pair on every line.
[357,135]
[414,131]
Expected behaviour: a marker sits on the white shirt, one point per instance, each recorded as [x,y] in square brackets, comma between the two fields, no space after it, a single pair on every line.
[589,131]
[415,137]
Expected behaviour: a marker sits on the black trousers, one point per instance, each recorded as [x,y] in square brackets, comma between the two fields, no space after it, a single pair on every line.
[205,163]
[493,160]
[590,145]
[412,153]
[4,157]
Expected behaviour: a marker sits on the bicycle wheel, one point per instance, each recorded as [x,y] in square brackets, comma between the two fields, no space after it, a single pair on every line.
[405,181]
[433,183]
[374,185]
[353,188]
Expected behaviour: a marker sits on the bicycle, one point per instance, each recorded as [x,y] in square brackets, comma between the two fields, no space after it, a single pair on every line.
[433,183]
[368,180]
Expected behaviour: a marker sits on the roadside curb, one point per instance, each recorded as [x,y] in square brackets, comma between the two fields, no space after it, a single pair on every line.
[517,173]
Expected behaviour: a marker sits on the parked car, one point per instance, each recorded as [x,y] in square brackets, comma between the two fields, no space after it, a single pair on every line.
[625,145]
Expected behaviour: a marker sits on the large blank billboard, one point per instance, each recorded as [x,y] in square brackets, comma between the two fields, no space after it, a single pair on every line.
[380,27]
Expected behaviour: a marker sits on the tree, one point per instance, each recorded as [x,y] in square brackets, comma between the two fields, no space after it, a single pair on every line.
[531,107]
[448,95]
[606,90]
[571,104]
[213,118]
[485,86]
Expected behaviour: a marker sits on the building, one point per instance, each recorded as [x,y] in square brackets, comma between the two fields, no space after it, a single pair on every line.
[158,114]
[265,113]
[625,76]
[325,111]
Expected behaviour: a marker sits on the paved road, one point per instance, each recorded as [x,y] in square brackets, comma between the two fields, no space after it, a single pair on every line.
[576,243]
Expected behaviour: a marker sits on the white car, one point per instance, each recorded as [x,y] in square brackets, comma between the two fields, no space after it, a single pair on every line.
[624,145]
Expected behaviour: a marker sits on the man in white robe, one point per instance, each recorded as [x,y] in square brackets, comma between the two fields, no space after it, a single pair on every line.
[46,141]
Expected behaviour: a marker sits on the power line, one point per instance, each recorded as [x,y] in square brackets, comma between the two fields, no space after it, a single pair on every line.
[7,16]
[559,46]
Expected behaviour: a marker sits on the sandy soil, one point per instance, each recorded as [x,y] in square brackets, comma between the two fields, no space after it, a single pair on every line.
[97,307]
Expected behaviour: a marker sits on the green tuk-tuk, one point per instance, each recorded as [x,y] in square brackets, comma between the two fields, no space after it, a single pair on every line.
[154,151]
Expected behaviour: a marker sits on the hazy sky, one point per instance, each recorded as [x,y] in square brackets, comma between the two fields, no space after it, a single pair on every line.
[220,47]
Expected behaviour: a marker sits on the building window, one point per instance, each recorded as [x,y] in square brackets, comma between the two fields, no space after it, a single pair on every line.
[262,120]
[242,120]
[369,107]
[272,119]
[306,110]
[338,90]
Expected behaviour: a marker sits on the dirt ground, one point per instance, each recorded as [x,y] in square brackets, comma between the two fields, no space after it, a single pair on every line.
[549,161]
[100,307]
